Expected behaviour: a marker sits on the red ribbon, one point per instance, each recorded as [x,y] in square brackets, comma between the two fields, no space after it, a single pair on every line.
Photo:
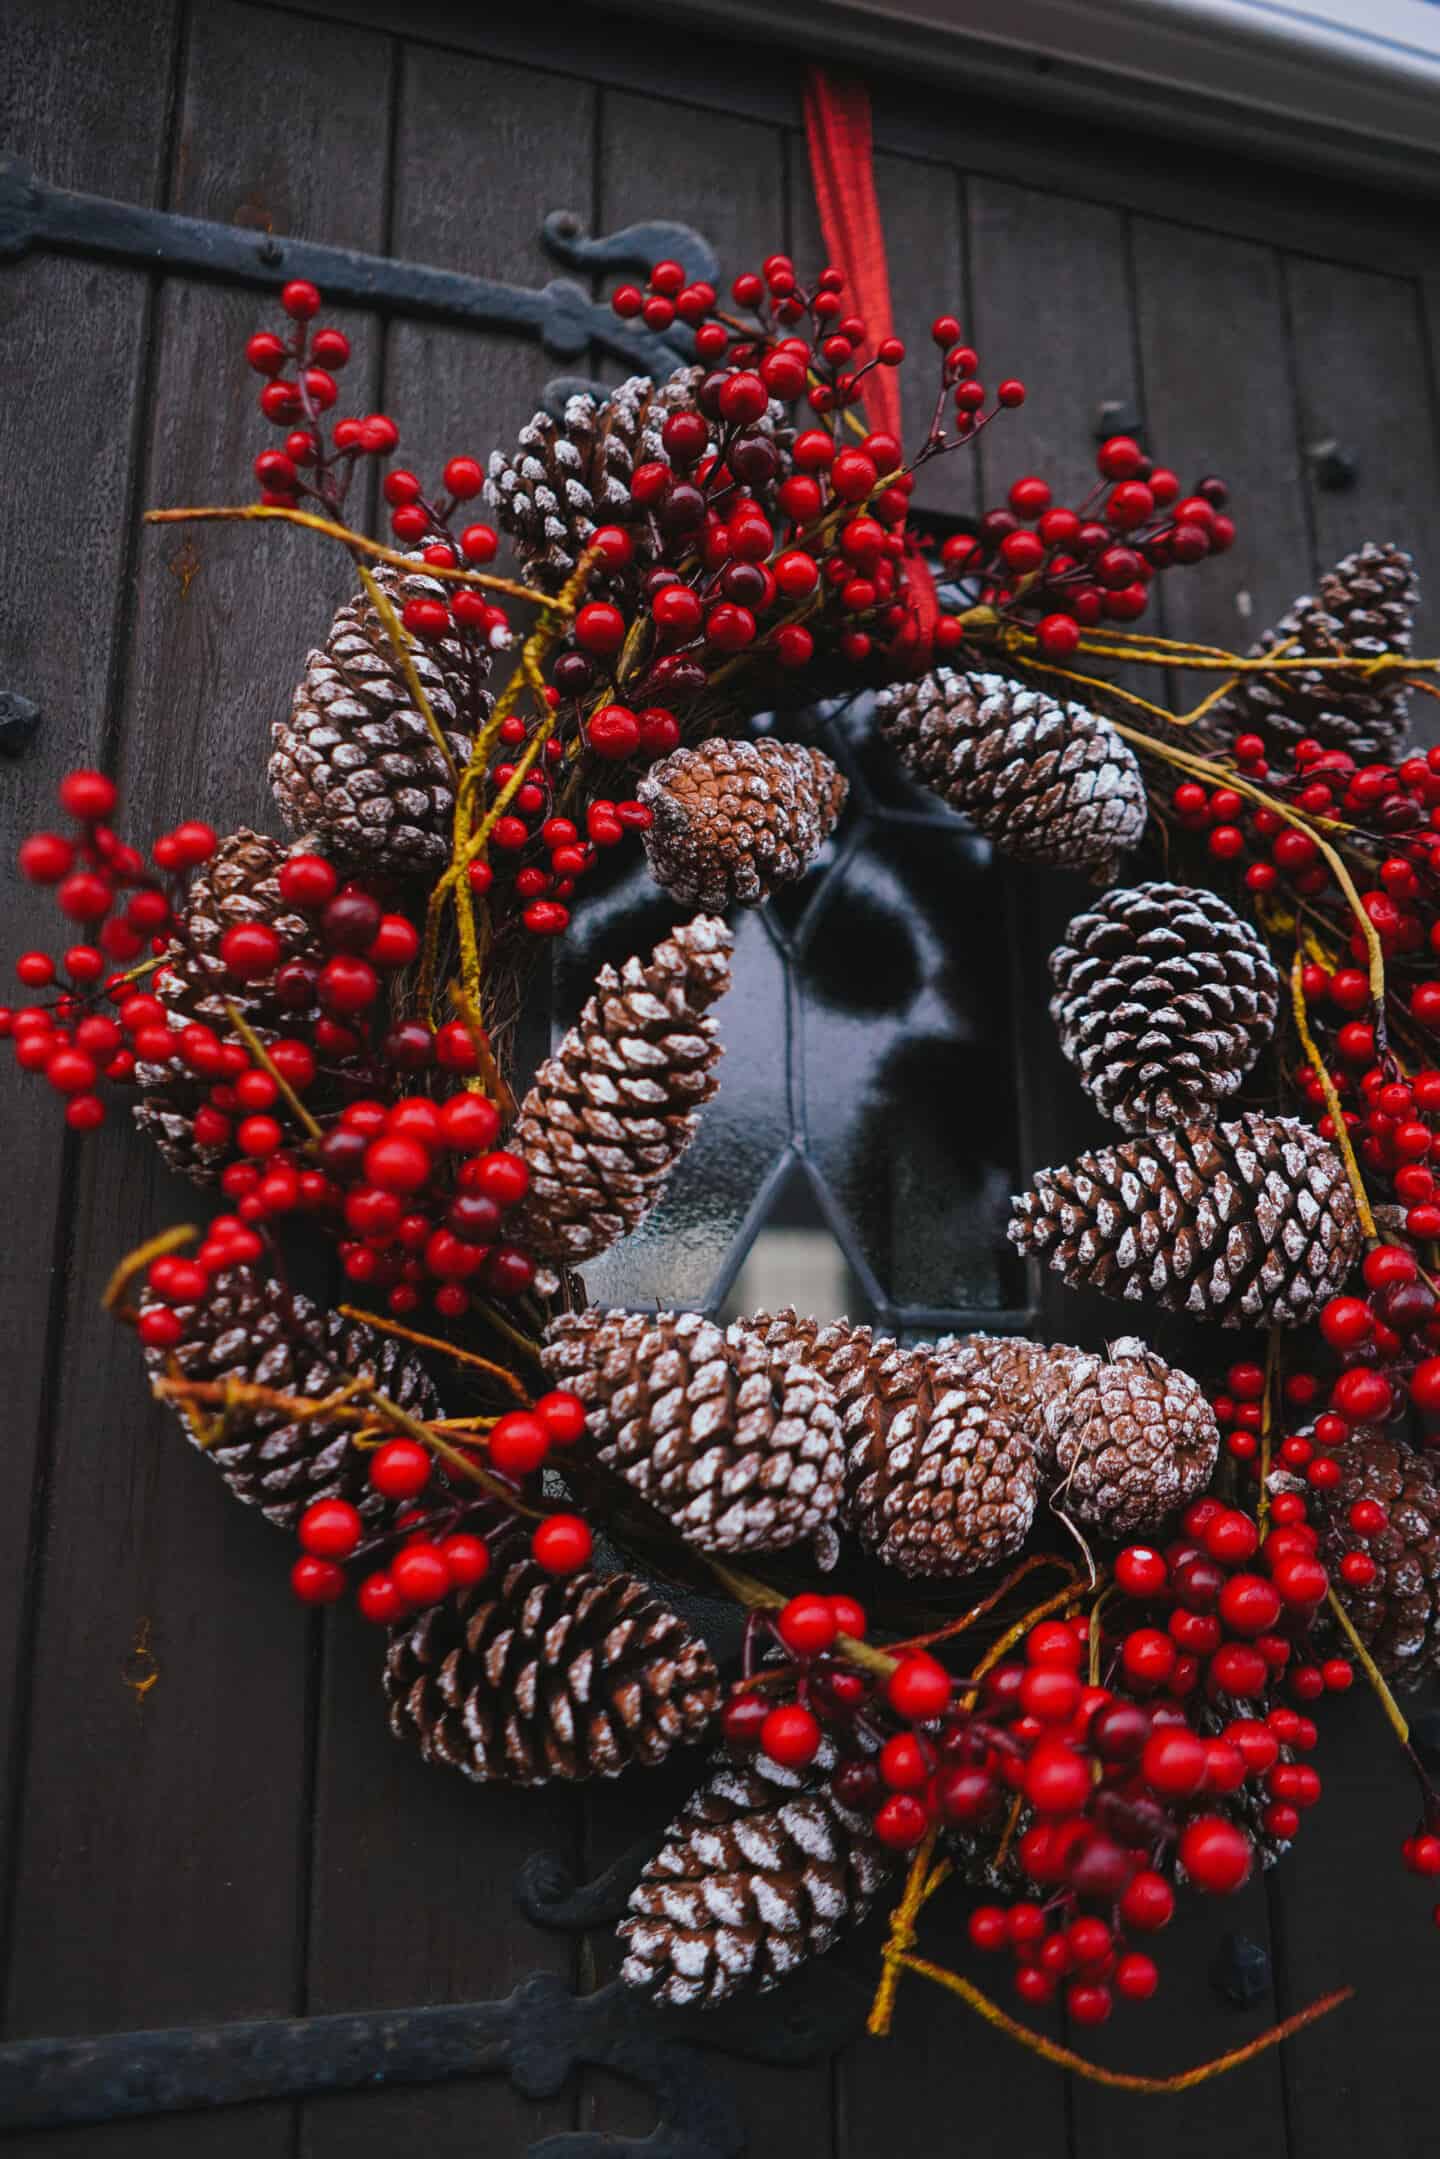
[842,167]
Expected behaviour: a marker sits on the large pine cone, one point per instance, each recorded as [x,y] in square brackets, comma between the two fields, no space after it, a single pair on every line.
[355,761]
[251,1328]
[1251,1223]
[534,1677]
[762,1869]
[1366,605]
[1164,998]
[1128,1438]
[1397,1616]
[1046,782]
[569,476]
[611,1113]
[737,1444]
[734,819]
[941,1477]
[238,884]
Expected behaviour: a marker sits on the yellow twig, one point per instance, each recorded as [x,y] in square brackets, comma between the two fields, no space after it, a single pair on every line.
[267,1063]
[400,644]
[255,512]
[169,1240]
[489,1073]
[432,1341]
[1332,1100]
[901,1938]
[1119,2079]
[1372,1671]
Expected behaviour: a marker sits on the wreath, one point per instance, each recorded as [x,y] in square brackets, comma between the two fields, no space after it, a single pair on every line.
[323,1030]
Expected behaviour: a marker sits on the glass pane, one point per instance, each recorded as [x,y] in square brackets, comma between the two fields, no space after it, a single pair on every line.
[796,1259]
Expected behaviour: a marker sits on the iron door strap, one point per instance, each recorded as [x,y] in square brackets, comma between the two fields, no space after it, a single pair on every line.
[560,314]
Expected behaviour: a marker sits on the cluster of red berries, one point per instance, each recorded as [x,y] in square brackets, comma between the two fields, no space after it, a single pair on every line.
[175,1280]
[432,1550]
[1074,568]
[121,903]
[300,388]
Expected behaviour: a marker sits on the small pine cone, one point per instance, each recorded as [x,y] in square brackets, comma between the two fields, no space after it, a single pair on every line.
[611,1113]
[734,819]
[570,475]
[537,1677]
[250,1328]
[1366,605]
[761,1870]
[941,1477]
[1251,1223]
[1164,998]
[1130,1438]
[737,1444]
[238,884]
[1046,782]
[1397,1615]
[356,761]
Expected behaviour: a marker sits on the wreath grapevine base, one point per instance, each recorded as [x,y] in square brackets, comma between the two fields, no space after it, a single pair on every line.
[322,1029]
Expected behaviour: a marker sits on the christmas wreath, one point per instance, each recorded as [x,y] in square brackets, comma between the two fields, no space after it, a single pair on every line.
[322,1030]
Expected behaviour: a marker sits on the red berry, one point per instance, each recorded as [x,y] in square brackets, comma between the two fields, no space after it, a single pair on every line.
[1249,1604]
[1057,1779]
[330,1528]
[918,1688]
[397,1164]
[400,1469]
[901,1822]
[317,1581]
[1140,1571]
[519,1443]
[1136,1976]
[250,950]
[614,733]
[379,1600]
[1215,1854]
[562,1544]
[807,1625]
[87,795]
[563,1416]
[420,1573]
[790,1735]
[906,1763]
[1174,1762]
[599,628]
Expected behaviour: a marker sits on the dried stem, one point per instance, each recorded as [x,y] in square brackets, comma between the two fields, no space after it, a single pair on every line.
[400,644]
[169,1240]
[254,512]
[267,1063]
[448,1349]
[1372,1672]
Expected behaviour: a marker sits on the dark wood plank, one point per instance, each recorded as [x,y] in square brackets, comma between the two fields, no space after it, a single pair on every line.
[414,1868]
[1363,373]
[85,91]
[161,1850]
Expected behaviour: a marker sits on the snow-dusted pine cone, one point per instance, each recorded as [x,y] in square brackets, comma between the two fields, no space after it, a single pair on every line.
[1397,1615]
[737,1444]
[238,884]
[1047,782]
[735,819]
[1164,998]
[534,1677]
[762,1869]
[1366,605]
[249,1327]
[941,1478]
[1250,1223]
[1129,1439]
[611,1113]
[568,476]
[356,761]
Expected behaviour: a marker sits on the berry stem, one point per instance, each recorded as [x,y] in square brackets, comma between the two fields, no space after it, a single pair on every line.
[169,1240]
[263,1058]
[356,540]
[901,1938]
[1372,1671]
[449,1349]
[400,643]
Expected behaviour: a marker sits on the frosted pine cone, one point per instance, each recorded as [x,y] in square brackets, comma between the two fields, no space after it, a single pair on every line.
[1130,1439]
[240,883]
[249,1327]
[1367,606]
[761,1870]
[1163,999]
[738,1445]
[611,1113]
[735,819]
[536,1677]
[356,760]
[1251,1223]
[1397,1615]
[940,1476]
[569,476]
[1047,782]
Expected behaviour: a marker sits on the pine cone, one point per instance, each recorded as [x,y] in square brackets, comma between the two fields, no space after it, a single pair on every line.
[1366,606]
[355,761]
[610,1114]
[1164,998]
[570,475]
[1397,1616]
[1046,782]
[536,1677]
[250,1328]
[735,819]
[1250,1223]
[762,1869]
[1130,1438]
[238,884]
[737,1444]
[940,1476]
